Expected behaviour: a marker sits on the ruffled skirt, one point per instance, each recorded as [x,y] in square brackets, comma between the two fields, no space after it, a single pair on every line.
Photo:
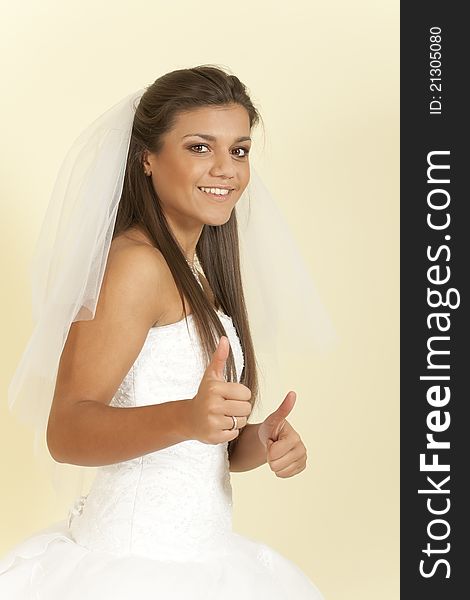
[50,565]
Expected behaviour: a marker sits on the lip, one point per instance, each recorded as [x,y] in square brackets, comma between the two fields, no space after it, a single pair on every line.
[222,187]
[217,197]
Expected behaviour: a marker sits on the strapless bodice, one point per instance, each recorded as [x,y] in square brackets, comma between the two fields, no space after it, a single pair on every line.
[175,503]
[170,364]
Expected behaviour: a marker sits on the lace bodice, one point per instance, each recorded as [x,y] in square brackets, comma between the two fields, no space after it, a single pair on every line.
[177,501]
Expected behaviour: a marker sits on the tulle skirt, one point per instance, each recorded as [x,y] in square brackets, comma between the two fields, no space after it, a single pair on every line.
[50,565]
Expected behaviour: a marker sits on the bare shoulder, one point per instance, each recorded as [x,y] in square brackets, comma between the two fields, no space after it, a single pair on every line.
[133,279]
[134,257]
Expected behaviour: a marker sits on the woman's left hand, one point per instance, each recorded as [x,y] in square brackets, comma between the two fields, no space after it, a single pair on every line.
[285,451]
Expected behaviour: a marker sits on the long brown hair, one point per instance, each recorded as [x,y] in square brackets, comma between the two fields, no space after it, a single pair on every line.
[217,249]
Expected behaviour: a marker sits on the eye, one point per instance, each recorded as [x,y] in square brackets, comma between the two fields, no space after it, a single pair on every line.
[199,146]
[245,150]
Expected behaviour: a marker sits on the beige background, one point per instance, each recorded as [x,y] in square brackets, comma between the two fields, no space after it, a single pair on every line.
[326,79]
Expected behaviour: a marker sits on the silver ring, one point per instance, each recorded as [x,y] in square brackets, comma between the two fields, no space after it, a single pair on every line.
[235,423]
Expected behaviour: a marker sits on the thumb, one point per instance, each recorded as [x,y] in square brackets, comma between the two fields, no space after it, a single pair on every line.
[216,368]
[277,418]
[286,405]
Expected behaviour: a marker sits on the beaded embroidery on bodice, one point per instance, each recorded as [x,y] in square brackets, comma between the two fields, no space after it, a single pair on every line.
[175,503]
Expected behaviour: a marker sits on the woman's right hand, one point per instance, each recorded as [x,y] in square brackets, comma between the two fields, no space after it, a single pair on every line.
[210,411]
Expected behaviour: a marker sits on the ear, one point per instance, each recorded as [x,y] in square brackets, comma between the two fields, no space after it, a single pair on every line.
[145,160]
[146,164]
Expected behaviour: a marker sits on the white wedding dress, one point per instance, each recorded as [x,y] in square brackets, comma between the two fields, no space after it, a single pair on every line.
[159,526]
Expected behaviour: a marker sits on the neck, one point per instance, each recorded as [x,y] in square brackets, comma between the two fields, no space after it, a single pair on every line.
[187,237]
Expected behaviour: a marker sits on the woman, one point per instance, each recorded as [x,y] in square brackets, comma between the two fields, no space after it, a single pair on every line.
[155,389]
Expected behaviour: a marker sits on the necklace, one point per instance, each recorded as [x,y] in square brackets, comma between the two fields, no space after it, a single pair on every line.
[195,272]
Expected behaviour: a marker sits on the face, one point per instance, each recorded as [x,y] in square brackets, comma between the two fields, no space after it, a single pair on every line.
[207,147]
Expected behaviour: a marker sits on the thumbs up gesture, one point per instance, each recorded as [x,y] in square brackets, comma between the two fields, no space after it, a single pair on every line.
[210,411]
[285,451]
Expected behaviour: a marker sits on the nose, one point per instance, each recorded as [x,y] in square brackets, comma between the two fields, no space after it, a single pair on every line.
[223,165]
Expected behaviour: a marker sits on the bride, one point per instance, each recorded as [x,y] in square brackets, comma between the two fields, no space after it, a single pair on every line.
[157,375]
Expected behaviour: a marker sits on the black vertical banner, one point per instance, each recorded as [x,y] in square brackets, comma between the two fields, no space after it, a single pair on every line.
[435,271]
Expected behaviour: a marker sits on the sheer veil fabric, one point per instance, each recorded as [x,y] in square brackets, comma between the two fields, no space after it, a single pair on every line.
[68,265]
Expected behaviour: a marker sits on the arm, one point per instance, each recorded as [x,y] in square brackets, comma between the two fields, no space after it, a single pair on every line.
[82,428]
[97,434]
[249,452]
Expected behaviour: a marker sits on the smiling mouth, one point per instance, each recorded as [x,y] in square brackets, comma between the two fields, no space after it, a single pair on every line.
[219,197]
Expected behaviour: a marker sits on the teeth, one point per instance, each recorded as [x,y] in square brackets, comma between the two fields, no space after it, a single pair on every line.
[218,191]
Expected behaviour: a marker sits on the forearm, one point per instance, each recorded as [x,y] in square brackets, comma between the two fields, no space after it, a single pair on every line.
[96,434]
[248,452]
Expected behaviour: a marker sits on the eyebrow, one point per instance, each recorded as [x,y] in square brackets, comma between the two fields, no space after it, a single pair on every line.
[212,138]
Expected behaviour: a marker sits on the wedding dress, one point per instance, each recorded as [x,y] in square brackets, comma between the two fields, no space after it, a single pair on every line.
[158,526]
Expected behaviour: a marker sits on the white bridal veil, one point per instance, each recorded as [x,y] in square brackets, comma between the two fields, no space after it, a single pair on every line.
[70,257]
